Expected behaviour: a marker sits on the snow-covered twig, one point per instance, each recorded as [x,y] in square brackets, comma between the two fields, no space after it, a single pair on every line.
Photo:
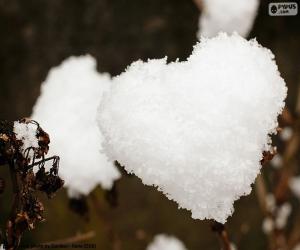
[21,143]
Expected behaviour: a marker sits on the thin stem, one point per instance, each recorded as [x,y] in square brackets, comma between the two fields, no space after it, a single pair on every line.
[41,161]
[199,4]
[13,237]
[292,148]
[261,193]
[294,237]
[73,239]
[222,234]
[112,234]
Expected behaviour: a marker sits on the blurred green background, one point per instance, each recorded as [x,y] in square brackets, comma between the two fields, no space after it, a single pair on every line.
[36,35]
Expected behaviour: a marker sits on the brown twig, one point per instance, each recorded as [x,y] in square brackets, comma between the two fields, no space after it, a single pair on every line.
[199,4]
[221,231]
[73,239]
[112,234]
[261,193]
[99,208]
[277,238]
[294,237]
[13,236]
[282,189]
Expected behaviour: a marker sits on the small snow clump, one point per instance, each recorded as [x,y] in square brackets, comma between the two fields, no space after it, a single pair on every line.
[267,225]
[27,133]
[294,185]
[67,109]
[166,242]
[286,133]
[224,16]
[196,129]
[277,161]
[283,213]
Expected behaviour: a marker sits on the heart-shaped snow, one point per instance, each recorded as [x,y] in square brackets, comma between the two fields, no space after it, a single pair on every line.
[196,129]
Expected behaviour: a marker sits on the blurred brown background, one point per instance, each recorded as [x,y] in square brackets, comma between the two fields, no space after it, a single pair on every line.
[36,35]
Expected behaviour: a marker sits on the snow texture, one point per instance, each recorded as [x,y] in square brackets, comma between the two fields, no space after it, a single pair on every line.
[166,242]
[67,110]
[227,16]
[196,129]
[27,133]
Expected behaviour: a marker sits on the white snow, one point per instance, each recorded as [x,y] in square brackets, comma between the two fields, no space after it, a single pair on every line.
[286,133]
[27,133]
[267,225]
[282,215]
[277,161]
[165,242]
[66,109]
[233,246]
[227,16]
[196,129]
[294,185]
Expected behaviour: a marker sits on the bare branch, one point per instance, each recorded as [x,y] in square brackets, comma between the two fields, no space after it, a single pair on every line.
[73,239]
[199,4]
[222,234]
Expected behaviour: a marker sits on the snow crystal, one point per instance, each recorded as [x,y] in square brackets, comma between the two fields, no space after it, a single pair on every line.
[221,15]
[166,242]
[67,110]
[27,133]
[196,129]
[294,184]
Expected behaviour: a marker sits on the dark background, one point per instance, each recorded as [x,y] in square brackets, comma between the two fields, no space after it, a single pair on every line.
[36,35]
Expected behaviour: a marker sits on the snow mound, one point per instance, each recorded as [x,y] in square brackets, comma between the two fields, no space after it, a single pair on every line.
[227,16]
[166,242]
[67,109]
